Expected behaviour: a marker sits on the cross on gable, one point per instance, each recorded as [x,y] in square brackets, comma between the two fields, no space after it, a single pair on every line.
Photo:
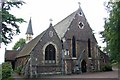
[50,20]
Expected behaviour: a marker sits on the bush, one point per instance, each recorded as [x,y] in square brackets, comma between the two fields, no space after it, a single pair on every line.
[107,67]
[6,70]
[19,69]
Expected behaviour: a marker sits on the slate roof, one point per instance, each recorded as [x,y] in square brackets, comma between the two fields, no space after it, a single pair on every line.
[63,25]
[10,55]
[29,29]
[29,46]
[60,29]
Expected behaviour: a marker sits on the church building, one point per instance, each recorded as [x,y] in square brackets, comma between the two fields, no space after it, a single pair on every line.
[65,48]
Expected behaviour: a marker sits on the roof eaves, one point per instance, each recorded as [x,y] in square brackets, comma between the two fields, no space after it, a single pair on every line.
[28,44]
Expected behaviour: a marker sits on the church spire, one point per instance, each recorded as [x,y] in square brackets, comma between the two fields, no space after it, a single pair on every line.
[29,31]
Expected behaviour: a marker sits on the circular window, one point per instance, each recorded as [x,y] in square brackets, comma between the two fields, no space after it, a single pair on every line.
[80,14]
[51,33]
[81,25]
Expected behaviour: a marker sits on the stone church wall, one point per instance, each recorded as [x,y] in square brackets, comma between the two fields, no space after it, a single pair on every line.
[42,65]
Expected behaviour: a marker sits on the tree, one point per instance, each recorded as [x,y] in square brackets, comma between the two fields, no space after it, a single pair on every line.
[111,33]
[7,32]
[19,43]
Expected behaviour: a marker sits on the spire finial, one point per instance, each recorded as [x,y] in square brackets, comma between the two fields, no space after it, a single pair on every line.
[79,4]
[50,21]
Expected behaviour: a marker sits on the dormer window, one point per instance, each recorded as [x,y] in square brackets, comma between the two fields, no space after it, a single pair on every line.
[81,25]
[80,14]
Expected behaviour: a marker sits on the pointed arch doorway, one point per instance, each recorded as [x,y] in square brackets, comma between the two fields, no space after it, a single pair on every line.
[83,66]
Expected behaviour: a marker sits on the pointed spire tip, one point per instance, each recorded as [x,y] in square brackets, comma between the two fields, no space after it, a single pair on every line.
[29,29]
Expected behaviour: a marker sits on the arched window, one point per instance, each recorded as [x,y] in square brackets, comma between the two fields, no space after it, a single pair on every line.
[89,48]
[50,53]
[73,47]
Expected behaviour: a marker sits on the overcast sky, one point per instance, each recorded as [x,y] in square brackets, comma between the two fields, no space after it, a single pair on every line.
[41,11]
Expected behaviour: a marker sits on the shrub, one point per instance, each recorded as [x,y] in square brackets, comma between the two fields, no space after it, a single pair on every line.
[6,70]
[19,69]
[107,67]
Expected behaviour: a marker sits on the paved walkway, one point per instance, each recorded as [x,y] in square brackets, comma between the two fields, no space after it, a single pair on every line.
[111,75]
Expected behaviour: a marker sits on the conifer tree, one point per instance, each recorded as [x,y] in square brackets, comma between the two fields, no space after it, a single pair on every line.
[8,22]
